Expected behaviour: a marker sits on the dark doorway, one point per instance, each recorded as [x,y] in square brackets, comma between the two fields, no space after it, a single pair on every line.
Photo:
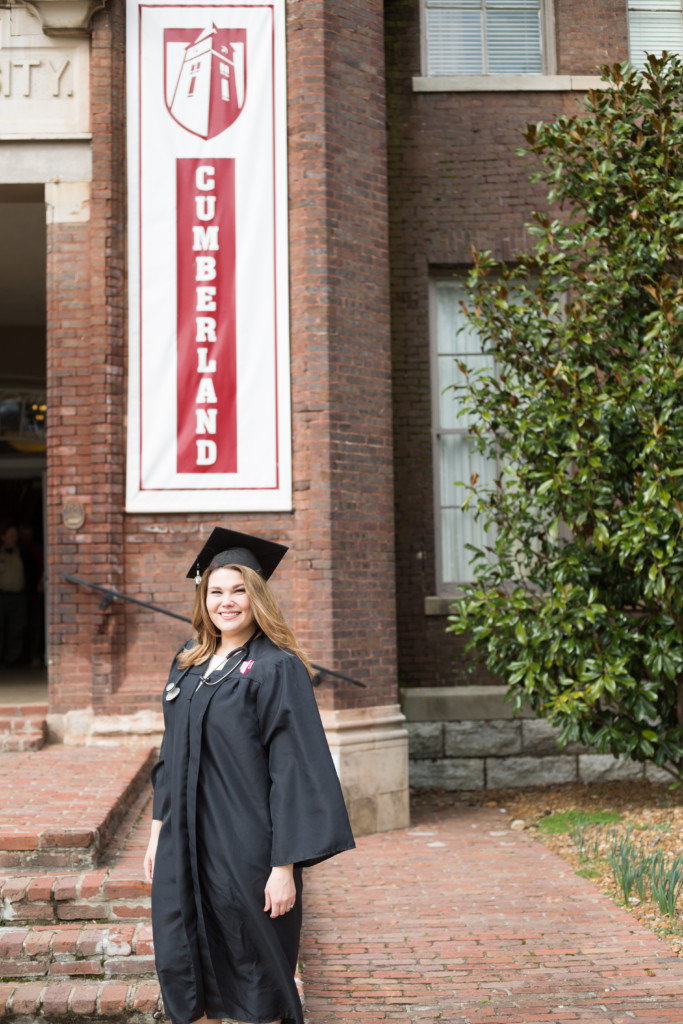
[23,423]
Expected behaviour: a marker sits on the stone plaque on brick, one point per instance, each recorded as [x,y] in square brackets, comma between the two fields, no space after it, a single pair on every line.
[44,87]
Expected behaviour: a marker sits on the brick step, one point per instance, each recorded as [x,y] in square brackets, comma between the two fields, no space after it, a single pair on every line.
[22,723]
[61,806]
[118,951]
[23,710]
[25,740]
[138,1002]
[22,727]
[89,896]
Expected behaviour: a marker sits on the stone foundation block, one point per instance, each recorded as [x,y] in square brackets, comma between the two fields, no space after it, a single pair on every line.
[539,738]
[605,768]
[425,739]
[502,772]
[482,739]
[452,774]
[657,775]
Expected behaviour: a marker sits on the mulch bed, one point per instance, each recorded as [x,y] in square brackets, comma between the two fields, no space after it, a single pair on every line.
[652,813]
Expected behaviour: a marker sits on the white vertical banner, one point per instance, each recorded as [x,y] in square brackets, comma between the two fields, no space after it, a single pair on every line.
[209,420]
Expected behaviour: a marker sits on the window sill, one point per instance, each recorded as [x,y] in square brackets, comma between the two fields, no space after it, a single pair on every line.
[507,83]
[439,605]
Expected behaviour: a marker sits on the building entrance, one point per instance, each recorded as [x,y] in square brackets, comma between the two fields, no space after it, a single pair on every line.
[23,422]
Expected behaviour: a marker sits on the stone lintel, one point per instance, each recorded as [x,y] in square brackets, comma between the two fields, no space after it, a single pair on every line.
[64,17]
[370,750]
[458,704]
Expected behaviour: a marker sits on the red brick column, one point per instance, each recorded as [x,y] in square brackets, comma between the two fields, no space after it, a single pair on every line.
[86,389]
[341,382]
[108,327]
[68,459]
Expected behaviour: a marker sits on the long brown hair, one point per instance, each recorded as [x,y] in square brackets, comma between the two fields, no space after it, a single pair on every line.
[264,605]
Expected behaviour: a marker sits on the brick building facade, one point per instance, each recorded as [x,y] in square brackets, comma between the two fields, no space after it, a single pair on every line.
[395,172]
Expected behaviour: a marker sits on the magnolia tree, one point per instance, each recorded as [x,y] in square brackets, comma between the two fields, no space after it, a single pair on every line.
[578,596]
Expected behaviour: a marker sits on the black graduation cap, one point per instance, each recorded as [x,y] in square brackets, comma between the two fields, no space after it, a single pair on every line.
[228,547]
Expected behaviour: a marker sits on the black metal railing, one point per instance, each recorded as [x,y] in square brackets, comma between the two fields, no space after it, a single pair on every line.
[110,595]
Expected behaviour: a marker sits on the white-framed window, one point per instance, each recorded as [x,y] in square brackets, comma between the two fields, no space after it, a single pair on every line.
[453,341]
[488,37]
[654,26]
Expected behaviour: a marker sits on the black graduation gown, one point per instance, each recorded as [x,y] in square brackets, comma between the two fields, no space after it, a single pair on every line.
[244,781]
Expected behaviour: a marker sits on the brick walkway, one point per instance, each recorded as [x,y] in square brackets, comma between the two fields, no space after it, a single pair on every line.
[459,920]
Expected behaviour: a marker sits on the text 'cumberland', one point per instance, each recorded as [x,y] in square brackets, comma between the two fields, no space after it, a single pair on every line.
[207,365]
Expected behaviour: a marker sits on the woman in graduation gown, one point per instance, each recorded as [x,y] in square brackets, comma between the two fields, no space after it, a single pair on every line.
[245,796]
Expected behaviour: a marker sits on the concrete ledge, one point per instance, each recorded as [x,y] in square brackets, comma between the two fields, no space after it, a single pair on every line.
[507,83]
[458,704]
[438,605]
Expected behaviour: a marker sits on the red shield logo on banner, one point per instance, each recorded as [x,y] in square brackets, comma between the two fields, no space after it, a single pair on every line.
[206,77]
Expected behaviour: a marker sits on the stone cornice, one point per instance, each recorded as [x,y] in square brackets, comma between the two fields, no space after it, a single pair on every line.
[64,17]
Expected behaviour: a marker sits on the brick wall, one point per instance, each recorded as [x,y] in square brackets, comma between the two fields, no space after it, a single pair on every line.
[590,33]
[455,183]
[337,583]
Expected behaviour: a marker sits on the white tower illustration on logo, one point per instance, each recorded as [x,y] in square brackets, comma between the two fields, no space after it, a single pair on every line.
[211,84]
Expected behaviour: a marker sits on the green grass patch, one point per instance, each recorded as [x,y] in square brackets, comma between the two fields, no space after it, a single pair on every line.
[589,872]
[565,821]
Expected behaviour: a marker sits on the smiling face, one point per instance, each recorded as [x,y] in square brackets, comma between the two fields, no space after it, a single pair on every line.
[229,608]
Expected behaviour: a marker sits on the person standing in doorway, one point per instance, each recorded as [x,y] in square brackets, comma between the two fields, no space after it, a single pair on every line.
[34,569]
[13,597]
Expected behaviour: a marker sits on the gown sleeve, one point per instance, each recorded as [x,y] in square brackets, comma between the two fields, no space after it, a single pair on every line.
[161,802]
[307,810]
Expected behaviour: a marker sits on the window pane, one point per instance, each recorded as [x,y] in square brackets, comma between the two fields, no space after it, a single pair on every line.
[655,5]
[457,342]
[455,334]
[455,37]
[513,42]
[454,42]
[458,461]
[654,31]
[449,374]
[452,4]
[459,528]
